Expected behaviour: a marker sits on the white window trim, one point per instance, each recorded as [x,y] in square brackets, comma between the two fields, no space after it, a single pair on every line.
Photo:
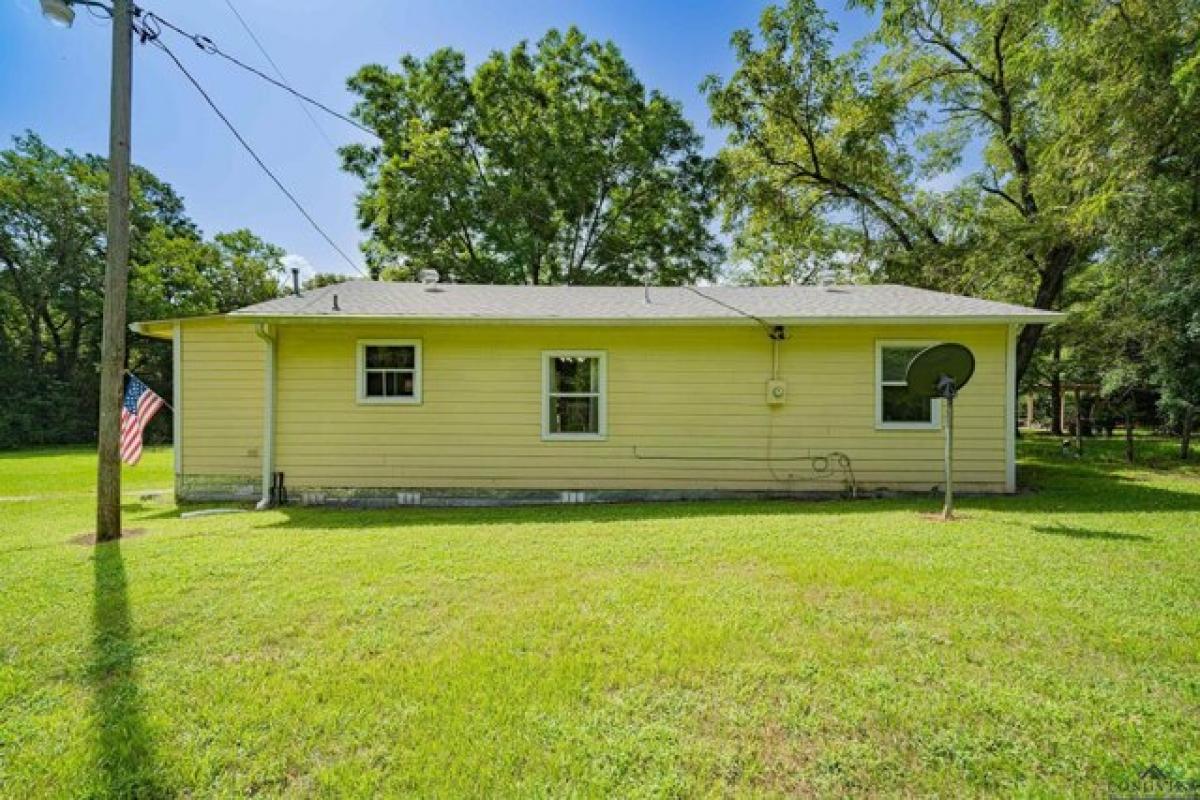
[361,372]
[935,406]
[602,401]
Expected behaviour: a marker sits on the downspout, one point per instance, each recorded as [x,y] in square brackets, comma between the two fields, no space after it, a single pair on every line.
[1010,412]
[263,331]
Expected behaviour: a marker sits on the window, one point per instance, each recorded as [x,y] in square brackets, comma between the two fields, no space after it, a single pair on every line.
[389,371]
[894,406]
[573,403]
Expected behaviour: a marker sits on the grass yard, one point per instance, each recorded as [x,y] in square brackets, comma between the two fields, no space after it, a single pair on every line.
[1049,645]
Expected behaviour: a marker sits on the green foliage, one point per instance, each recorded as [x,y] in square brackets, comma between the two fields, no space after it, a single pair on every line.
[830,157]
[1130,140]
[52,250]
[1043,646]
[549,164]
[809,168]
[325,279]
[1176,352]
[1085,117]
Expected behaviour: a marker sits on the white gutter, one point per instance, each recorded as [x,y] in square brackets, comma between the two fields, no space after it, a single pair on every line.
[262,331]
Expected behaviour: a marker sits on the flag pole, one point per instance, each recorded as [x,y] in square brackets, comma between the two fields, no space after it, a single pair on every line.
[160,397]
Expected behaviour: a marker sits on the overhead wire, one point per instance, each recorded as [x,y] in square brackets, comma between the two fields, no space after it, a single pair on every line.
[150,35]
[770,329]
[153,24]
[283,78]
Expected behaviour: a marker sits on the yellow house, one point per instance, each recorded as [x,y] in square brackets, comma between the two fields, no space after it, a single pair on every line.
[392,393]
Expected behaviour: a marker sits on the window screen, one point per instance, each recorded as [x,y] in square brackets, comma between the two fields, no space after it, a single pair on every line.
[574,395]
[896,404]
[389,371]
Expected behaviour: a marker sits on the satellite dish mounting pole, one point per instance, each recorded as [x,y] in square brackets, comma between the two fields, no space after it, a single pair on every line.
[948,508]
[948,388]
[942,371]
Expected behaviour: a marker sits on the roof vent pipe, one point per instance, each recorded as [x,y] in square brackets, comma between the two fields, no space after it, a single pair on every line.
[296,281]
[335,305]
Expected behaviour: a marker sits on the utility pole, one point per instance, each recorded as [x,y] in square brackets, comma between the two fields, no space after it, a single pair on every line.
[116,280]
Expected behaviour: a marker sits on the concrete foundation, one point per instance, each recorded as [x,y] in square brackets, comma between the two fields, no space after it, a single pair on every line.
[245,488]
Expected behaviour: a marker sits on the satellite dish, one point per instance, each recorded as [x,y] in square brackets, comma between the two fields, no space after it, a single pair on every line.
[942,371]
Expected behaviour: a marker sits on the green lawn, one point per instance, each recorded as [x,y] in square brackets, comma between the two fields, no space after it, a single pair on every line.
[1048,645]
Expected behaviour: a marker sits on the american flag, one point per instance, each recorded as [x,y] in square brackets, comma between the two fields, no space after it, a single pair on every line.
[139,406]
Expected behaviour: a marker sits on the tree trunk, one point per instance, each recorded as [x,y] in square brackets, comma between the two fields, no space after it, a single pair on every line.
[1050,286]
[1056,393]
[1129,434]
[1078,422]
[535,270]
[1185,438]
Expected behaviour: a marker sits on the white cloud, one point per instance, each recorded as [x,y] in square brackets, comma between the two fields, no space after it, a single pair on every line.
[293,260]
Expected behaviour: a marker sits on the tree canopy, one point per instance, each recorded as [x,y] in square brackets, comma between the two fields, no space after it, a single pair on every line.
[1002,149]
[548,164]
[831,156]
[1128,85]
[52,250]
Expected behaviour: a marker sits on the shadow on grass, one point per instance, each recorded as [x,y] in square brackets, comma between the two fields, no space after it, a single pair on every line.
[1150,452]
[158,510]
[1087,533]
[1084,488]
[125,752]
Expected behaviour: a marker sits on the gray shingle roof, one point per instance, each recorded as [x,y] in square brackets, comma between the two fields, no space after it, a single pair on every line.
[776,304]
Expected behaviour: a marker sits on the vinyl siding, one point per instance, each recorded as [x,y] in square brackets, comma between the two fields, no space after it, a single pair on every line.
[221,399]
[672,391]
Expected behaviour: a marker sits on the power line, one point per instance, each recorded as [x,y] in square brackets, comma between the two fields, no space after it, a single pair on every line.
[303,106]
[151,28]
[241,140]
[766,325]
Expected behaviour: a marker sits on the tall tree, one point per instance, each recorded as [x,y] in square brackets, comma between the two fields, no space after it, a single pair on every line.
[1130,81]
[549,164]
[52,249]
[1175,356]
[833,153]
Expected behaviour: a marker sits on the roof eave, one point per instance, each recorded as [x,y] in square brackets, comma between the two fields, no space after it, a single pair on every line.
[155,328]
[164,328]
[1040,318]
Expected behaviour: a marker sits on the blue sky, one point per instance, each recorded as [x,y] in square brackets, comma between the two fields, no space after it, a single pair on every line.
[55,82]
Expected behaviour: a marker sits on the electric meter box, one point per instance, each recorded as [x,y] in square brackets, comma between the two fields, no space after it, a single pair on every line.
[776,393]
